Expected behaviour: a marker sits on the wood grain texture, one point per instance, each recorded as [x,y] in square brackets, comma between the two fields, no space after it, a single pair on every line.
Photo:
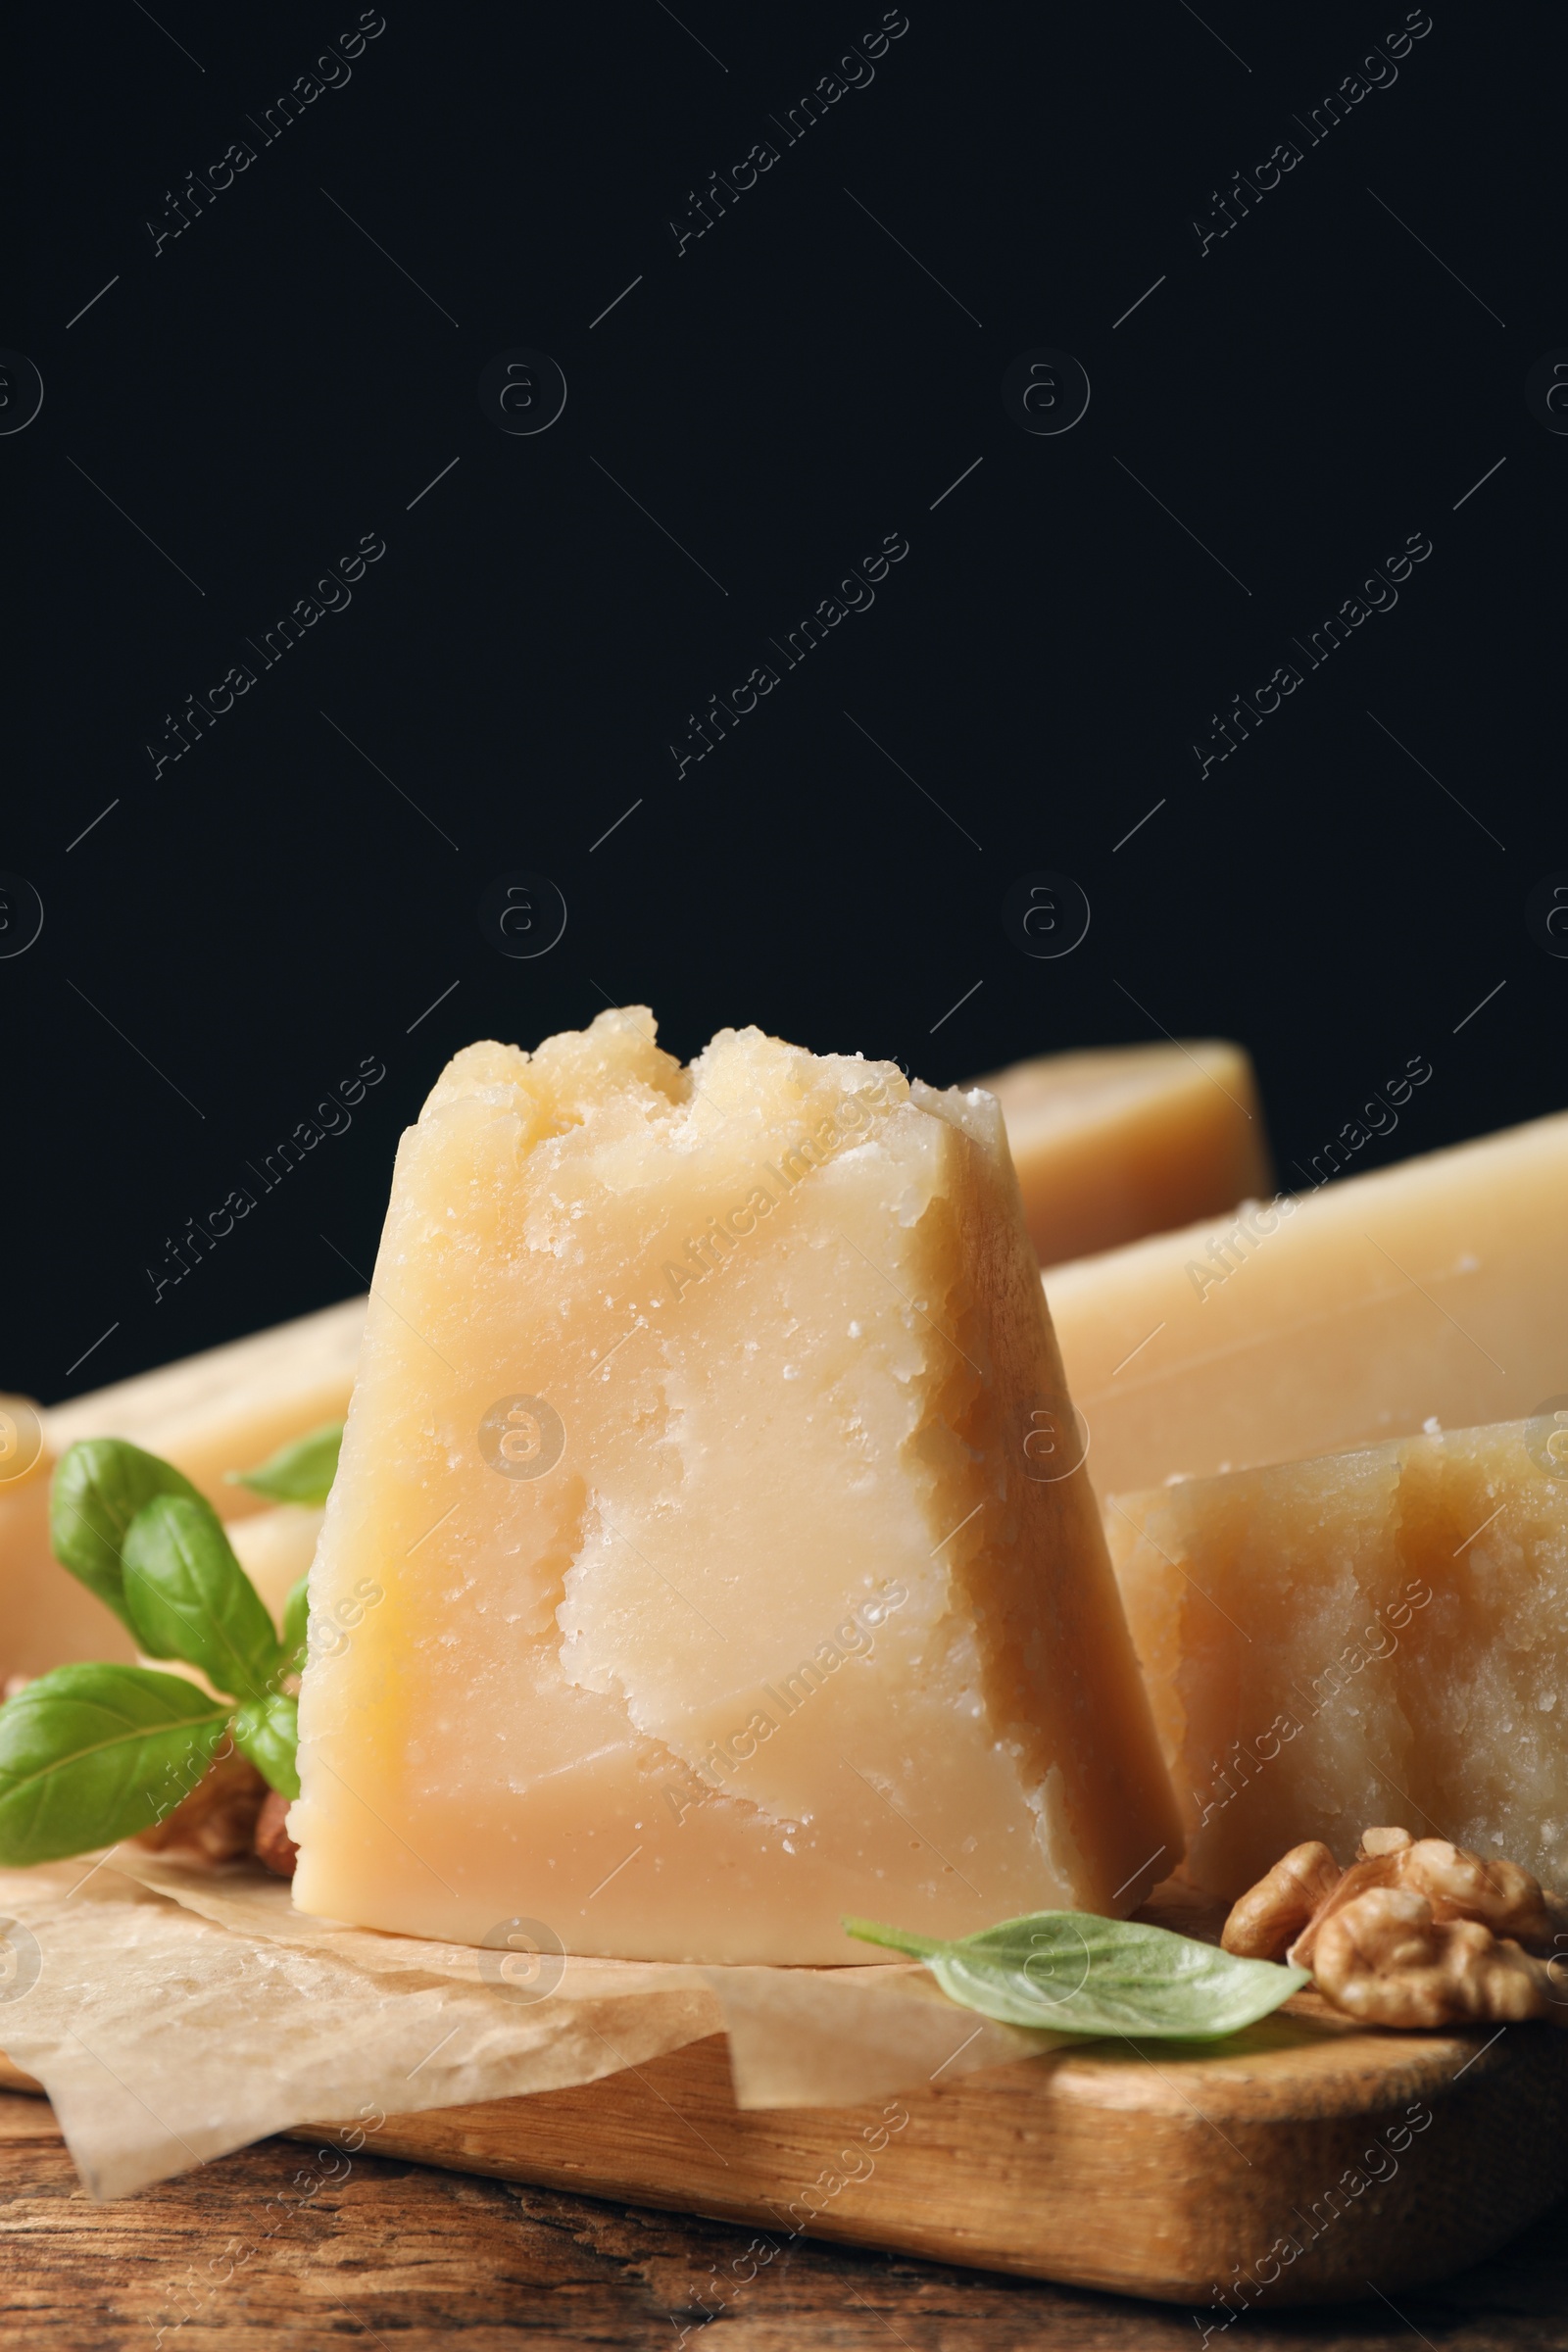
[264,2253]
[1157,2172]
[1165,2173]
[1289,2165]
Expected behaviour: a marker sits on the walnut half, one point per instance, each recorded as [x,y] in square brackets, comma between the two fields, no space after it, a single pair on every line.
[1460,1885]
[1457,1884]
[230,1813]
[275,1849]
[1385,1960]
[216,1821]
[1418,1932]
[1267,1920]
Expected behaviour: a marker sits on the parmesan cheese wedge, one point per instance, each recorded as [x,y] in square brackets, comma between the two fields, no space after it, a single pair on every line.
[1372,1636]
[711,1553]
[1130,1139]
[1436,1288]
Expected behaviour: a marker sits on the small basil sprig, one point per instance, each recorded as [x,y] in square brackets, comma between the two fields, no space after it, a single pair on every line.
[1076,1973]
[268,1731]
[188,1596]
[272,1722]
[300,1472]
[91,1753]
[98,1489]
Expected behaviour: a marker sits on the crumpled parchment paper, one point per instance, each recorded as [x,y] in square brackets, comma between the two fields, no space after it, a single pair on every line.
[174,2013]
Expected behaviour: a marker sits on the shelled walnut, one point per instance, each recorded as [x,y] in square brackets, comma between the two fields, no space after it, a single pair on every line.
[1416,1931]
[1268,1919]
[1385,1960]
[230,1813]
[216,1822]
[273,1848]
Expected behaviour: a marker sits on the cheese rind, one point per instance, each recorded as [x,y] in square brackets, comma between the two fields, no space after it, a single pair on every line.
[1433,1289]
[719,1597]
[1131,1139]
[1373,1636]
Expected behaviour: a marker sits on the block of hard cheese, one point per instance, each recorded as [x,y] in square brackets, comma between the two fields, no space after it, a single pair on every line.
[698,1585]
[1371,1637]
[226,1409]
[1129,1140]
[1438,1287]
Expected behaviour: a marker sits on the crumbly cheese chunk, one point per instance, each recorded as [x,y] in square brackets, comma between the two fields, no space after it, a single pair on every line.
[1124,1140]
[711,1553]
[1436,1288]
[1370,1638]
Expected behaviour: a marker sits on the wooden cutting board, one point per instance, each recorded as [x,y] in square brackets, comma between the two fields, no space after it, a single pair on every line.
[1173,2173]
[1303,2160]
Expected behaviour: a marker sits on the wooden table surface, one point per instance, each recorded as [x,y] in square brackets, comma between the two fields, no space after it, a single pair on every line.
[283,2248]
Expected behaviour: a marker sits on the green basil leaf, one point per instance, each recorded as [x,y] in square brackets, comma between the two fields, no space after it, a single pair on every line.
[300,1472]
[296,1626]
[90,1754]
[99,1487]
[188,1597]
[268,1731]
[1076,1973]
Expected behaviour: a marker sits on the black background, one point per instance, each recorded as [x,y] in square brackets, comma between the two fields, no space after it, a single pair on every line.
[231,938]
